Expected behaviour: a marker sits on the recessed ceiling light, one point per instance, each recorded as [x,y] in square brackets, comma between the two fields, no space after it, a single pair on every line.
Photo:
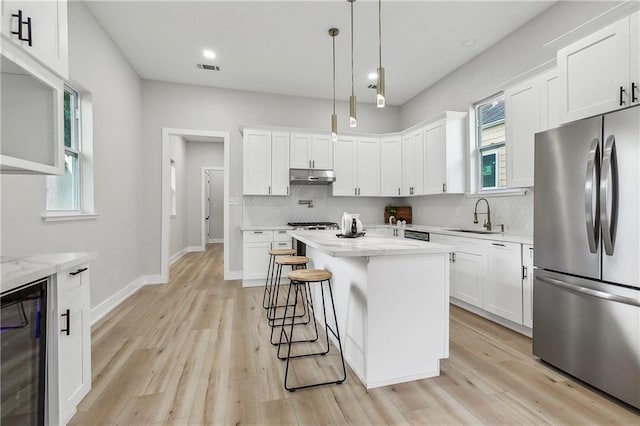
[209,54]
[372,76]
[469,42]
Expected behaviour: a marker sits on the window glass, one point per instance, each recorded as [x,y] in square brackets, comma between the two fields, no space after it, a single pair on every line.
[490,144]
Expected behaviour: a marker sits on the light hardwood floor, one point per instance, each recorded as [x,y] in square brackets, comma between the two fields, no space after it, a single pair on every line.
[196,352]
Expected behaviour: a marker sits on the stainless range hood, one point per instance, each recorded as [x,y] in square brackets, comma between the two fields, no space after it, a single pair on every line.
[311,177]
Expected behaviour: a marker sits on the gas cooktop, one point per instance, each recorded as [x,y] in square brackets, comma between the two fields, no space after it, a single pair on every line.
[314,225]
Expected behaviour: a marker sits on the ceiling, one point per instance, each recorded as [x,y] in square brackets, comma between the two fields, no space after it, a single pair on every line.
[283,47]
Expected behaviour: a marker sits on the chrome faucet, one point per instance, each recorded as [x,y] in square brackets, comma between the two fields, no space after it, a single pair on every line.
[487,223]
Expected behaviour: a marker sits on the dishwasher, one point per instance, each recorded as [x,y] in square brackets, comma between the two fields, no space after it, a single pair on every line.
[416,235]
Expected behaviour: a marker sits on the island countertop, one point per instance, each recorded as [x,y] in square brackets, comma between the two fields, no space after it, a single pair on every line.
[368,245]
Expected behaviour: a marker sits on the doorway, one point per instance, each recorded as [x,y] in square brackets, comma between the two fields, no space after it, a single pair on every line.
[212,203]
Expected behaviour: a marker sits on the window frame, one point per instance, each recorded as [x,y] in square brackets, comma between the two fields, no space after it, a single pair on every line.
[83,149]
[480,151]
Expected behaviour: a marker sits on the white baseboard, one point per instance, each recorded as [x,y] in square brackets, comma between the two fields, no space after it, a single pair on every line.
[177,256]
[216,240]
[153,279]
[253,283]
[192,249]
[233,275]
[491,317]
[106,306]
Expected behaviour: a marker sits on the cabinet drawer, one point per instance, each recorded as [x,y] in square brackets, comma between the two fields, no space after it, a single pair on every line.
[258,236]
[282,244]
[70,279]
[281,235]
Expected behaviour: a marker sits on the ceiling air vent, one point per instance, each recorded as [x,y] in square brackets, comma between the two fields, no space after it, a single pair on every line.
[209,67]
[372,86]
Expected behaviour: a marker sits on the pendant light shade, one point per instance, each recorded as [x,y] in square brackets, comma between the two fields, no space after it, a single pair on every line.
[353,122]
[380,96]
[333,32]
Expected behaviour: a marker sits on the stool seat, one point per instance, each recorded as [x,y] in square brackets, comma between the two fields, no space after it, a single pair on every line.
[292,260]
[282,252]
[309,275]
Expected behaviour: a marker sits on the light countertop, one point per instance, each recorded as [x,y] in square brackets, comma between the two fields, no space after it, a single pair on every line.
[15,272]
[265,228]
[369,245]
[448,230]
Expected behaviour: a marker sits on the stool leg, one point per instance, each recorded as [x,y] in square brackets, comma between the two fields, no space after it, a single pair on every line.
[288,357]
[267,285]
[336,333]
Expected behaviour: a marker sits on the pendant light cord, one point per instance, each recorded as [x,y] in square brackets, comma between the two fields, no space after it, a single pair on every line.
[333,37]
[352,94]
[380,32]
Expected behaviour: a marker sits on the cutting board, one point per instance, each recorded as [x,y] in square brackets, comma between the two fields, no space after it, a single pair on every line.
[403,212]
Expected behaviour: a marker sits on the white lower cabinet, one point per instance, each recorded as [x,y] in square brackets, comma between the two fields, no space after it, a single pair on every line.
[503,281]
[467,270]
[74,339]
[255,253]
[527,285]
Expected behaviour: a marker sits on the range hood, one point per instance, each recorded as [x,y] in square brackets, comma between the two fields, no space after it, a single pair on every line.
[311,176]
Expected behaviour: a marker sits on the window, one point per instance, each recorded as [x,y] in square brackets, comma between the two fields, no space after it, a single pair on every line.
[71,194]
[174,207]
[490,144]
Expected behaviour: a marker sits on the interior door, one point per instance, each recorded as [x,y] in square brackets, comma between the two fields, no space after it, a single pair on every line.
[566,227]
[216,196]
[207,207]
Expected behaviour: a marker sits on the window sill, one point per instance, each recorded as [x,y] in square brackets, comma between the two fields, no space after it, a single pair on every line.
[514,192]
[68,217]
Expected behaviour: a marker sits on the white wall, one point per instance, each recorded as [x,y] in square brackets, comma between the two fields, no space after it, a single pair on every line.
[204,108]
[199,155]
[178,224]
[97,64]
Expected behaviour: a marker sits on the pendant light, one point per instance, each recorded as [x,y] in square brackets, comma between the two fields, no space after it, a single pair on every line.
[380,96]
[353,122]
[333,32]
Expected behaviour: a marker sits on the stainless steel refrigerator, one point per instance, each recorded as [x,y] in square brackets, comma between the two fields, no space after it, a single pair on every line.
[586,297]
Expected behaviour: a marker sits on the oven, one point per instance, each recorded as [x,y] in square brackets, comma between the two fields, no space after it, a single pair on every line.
[416,235]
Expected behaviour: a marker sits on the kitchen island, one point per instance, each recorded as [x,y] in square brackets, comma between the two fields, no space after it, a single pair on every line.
[392,303]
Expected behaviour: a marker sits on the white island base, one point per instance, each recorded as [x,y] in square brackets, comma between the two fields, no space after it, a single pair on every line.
[392,310]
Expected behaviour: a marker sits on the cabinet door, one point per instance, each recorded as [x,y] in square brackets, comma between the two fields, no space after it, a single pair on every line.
[418,158]
[368,167]
[522,122]
[503,283]
[280,163]
[255,260]
[593,71]
[466,277]
[408,165]
[299,148]
[634,49]
[439,239]
[48,31]
[391,166]
[256,162]
[527,285]
[549,92]
[74,344]
[435,158]
[344,166]
[321,152]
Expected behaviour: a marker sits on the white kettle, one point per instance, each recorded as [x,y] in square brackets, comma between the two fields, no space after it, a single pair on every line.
[348,225]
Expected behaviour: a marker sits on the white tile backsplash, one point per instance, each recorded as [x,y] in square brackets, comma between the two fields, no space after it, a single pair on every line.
[516,212]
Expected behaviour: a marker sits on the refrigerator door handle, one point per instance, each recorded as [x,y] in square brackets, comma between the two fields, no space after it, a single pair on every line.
[609,194]
[589,291]
[590,183]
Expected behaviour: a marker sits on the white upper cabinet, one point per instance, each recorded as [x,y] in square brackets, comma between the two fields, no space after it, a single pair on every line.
[444,154]
[265,162]
[530,107]
[344,166]
[391,166]
[596,72]
[38,28]
[634,60]
[522,114]
[356,164]
[368,166]
[412,163]
[311,151]
[31,123]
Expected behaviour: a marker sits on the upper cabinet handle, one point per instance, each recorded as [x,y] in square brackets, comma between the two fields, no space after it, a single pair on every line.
[79,271]
[20,24]
[622,92]
[634,87]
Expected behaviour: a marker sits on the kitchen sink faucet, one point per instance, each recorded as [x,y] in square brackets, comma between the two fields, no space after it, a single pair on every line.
[487,223]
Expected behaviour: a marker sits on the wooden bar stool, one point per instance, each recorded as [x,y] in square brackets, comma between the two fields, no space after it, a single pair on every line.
[300,282]
[296,262]
[268,283]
